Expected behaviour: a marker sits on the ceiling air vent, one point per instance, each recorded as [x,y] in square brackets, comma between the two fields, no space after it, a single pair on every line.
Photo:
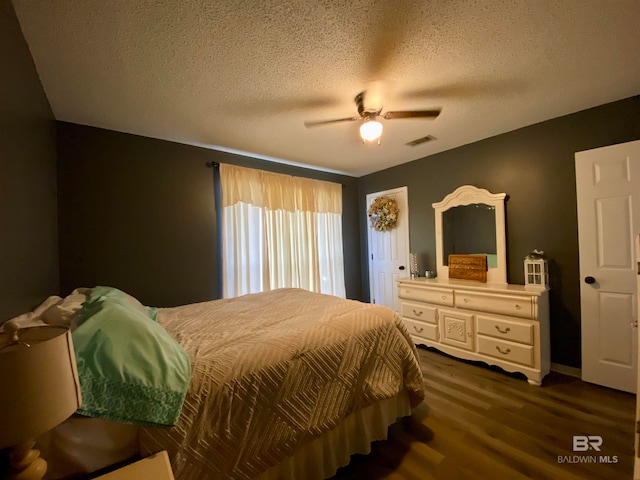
[419,141]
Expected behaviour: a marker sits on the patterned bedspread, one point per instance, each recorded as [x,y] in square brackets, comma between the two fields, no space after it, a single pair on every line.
[274,370]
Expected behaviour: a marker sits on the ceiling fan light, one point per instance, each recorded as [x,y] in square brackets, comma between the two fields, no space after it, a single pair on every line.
[371,130]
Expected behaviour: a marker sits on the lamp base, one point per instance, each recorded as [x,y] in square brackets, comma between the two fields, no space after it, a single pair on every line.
[25,462]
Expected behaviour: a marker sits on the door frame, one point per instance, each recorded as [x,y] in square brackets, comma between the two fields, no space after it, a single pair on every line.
[636,426]
[403,222]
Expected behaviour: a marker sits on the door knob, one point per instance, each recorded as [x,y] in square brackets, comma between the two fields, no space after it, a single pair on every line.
[401,267]
[589,280]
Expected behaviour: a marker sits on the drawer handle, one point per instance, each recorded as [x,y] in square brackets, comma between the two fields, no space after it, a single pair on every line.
[416,313]
[443,297]
[507,352]
[506,330]
[419,330]
[465,300]
[518,307]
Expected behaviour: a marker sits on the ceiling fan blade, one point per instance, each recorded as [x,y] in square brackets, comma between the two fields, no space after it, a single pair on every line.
[327,122]
[388,27]
[465,90]
[412,114]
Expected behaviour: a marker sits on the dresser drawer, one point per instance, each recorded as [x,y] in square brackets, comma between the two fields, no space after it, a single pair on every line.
[422,330]
[418,311]
[510,352]
[505,329]
[437,296]
[504,304]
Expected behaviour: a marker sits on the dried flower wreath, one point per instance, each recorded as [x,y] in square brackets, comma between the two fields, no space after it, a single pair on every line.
[383,213]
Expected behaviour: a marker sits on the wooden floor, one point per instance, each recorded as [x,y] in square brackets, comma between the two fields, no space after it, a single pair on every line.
[481,423]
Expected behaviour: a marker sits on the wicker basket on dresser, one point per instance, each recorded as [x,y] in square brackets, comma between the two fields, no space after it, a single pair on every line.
[499,324]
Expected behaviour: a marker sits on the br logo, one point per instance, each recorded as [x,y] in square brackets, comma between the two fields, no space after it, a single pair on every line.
[583,443]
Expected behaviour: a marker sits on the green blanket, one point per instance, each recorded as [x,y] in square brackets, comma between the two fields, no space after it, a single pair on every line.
[131,370]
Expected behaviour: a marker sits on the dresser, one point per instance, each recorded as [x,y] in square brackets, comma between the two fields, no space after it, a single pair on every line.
[499,324]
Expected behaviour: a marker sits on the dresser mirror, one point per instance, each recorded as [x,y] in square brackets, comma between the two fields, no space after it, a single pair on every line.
[470,221]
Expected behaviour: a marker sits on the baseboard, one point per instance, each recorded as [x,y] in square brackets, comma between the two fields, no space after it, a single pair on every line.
[565,370]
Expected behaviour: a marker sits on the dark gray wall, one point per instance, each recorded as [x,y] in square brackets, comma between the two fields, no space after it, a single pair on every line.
[28,224]
[139,214]
[535,167]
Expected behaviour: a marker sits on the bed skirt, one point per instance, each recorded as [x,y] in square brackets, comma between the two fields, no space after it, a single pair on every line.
[321,458]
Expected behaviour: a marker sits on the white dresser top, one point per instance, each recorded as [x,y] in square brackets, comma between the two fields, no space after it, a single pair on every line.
[472,285]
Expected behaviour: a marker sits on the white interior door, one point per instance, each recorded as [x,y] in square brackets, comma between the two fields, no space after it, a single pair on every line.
[608,196]
[389,252]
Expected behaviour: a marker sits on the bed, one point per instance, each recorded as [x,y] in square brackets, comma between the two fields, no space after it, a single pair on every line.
[284,385]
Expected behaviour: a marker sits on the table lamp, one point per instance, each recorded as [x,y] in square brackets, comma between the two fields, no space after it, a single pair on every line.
[39,390]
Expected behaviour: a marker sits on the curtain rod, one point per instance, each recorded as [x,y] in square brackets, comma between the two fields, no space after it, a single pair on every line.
[217,165]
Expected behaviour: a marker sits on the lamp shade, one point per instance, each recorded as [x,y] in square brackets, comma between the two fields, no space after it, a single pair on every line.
[39,386]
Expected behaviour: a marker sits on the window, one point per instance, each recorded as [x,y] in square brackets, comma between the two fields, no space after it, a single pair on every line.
[280,231]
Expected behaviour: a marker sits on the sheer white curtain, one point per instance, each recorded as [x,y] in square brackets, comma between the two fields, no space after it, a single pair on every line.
[280,231]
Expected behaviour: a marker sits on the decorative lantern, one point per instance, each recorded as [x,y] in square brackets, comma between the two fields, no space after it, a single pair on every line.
[536,270]
[414,265]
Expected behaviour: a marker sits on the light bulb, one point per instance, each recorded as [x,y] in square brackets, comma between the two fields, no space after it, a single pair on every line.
[371,130]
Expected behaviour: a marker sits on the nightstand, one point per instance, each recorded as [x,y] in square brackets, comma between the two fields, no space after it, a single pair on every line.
[156,467]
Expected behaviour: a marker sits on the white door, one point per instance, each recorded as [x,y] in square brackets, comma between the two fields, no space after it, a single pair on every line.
[389,252]
[608,195]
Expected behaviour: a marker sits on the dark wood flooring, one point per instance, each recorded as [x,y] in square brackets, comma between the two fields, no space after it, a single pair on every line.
[481,423]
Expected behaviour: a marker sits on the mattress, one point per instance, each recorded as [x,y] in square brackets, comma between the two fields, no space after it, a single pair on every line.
[273,372]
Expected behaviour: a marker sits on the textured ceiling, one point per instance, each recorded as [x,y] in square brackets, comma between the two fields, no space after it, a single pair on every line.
[243,76]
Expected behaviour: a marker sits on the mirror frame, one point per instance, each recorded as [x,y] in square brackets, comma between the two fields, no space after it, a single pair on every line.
[468,195]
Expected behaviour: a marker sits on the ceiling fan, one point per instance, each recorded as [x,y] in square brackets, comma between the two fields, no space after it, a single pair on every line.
[371,129]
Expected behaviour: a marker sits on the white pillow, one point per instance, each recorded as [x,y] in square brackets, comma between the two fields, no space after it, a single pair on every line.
[31,319]
[63,312]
